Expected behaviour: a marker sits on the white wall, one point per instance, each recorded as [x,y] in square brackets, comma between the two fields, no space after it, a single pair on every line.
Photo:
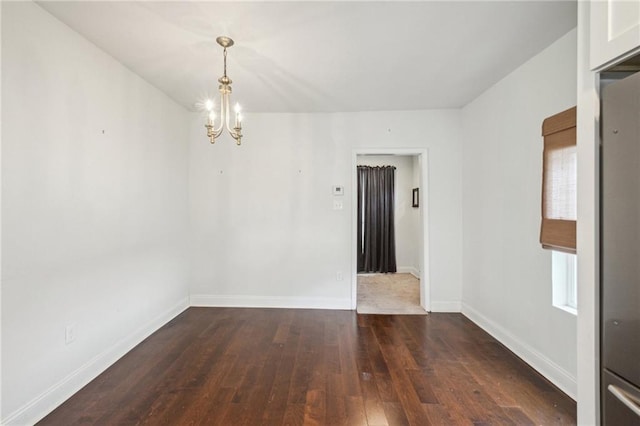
[506,274]
[94,210]
[264,232]
[407,228]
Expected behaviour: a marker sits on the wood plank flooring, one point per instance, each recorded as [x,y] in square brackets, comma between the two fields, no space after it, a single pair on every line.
[224,366]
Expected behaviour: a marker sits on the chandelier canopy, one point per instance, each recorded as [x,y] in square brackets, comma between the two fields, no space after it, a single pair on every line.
[225,95]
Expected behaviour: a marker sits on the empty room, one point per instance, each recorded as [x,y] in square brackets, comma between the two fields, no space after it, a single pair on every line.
[318,213]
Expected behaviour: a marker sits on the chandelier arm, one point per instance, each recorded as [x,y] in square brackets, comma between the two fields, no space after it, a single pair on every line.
[227,114]
[237,135]
[218,131]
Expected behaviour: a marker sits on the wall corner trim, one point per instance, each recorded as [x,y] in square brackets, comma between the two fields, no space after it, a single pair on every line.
[40,406]
[543,365]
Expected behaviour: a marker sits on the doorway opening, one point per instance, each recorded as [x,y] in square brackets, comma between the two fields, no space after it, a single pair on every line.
[411,236]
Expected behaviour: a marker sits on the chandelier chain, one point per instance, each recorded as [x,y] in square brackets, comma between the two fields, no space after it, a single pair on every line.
[225,61]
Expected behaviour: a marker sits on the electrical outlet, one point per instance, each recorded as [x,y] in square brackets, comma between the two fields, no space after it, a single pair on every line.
[339,276]
[69,334]
[337,205]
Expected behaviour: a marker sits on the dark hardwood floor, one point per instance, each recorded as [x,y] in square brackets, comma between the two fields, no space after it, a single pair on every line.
[223,366]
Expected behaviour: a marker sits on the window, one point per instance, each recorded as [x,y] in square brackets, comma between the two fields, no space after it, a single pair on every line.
[559,179]
[559,207]
[564,267]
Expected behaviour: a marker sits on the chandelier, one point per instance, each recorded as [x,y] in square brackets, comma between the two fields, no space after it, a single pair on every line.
[225,94]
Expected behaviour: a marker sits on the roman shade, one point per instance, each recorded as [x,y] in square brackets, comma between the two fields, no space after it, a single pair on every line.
[559,181]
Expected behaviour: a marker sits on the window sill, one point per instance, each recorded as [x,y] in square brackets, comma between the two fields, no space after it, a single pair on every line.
[567,308]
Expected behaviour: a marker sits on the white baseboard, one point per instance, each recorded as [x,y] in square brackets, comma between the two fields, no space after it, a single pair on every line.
[553,372]
[446,306]
[36,409]
[408,270]
[239,301]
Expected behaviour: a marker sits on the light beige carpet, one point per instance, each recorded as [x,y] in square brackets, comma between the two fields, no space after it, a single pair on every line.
[389,294]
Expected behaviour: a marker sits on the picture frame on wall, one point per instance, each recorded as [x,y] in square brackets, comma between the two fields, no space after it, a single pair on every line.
[415,200]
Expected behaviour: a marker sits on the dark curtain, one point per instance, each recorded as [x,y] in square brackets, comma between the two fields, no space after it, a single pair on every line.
[376,233]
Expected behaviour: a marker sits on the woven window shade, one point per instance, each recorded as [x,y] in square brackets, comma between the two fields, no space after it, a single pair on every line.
[559,182]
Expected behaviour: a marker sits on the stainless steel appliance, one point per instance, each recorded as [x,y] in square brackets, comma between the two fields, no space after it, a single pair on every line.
[620,252]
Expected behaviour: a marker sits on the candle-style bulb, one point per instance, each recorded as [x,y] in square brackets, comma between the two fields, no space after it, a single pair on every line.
[237,108]
[209,105]
[212,116]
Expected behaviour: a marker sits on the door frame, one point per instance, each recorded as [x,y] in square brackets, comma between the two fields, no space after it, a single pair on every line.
[422,154]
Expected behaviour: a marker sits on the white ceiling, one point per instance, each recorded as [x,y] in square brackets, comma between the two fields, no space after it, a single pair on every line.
[323,56]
